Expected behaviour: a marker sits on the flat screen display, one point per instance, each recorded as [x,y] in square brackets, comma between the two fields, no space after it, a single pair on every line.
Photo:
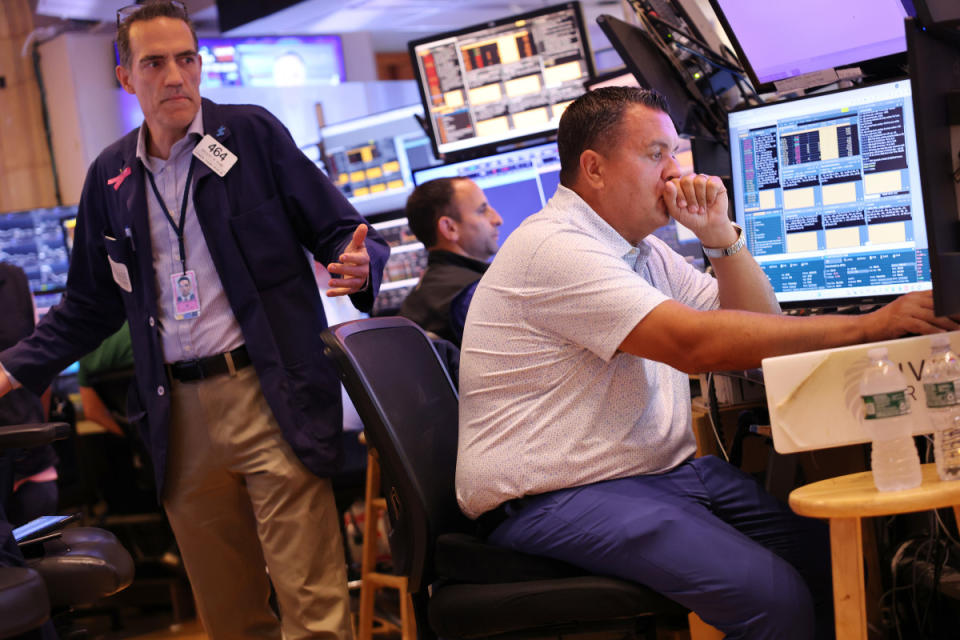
[827,189]
[271,61]
[504,80]
[371,159]
[778,40]
[35,241]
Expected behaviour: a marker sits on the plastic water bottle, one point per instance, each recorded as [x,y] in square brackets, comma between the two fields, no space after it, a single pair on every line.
[893,457]
[941,384]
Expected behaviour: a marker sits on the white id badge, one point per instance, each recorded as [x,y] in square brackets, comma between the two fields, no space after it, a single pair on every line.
[186,297]
[120,275]
[213,154]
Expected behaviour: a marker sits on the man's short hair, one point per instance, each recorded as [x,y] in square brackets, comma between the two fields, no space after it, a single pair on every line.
[149,11]
[183,279]
[427,204]
[592,121]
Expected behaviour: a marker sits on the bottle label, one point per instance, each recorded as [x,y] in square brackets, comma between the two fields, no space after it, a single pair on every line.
[941,394]
[886,405]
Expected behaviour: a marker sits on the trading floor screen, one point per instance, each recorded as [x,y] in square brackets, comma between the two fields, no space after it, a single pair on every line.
[828,192]
[34,241]
[503,80]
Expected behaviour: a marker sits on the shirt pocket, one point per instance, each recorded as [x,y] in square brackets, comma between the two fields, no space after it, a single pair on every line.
[268,244]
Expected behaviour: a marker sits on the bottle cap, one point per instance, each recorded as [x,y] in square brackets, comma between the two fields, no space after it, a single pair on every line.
[939,341]
[877,353]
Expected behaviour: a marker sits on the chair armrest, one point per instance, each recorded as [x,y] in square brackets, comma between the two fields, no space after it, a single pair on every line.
[23,601]
[22,436]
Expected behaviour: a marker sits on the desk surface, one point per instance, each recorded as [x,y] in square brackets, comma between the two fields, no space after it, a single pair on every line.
[855,496]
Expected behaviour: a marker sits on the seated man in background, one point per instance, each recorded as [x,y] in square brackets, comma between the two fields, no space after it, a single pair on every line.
[575,439]
[454,221]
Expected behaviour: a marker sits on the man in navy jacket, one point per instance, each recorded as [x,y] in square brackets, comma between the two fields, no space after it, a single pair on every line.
[243,454]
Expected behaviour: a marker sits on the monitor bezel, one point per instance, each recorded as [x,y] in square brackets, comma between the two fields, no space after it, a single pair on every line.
[930,88]
[828,303]
[882,62]
[521,140]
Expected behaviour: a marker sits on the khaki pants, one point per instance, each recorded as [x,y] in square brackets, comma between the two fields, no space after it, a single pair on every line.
[239,500]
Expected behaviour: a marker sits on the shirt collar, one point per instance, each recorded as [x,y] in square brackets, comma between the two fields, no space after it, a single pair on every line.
[196,127]
[582,215]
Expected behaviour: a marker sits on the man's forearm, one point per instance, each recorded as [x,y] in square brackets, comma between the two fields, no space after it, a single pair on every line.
[743,284]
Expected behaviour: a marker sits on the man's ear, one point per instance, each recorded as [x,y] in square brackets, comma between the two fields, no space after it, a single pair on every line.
[123,77]
[447,228]
[591,168]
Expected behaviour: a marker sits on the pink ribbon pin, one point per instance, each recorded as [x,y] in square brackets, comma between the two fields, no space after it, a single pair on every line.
[116,182]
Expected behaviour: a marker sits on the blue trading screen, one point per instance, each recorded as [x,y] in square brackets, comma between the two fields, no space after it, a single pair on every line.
[35,241]
[828,192]
[516,183]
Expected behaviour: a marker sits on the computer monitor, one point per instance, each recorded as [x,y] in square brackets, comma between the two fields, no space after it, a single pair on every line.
[34,240]
[272,61]
[370,159]
[779,40]
[934,56]
[655,68]
[501,81]
[827,189]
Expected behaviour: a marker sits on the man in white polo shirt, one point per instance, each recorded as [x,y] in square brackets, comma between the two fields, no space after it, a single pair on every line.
[575,439]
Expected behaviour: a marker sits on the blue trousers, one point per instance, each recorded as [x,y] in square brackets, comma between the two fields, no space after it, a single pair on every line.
[704,534]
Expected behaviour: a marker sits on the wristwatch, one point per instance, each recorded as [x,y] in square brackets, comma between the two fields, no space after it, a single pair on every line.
[732,249]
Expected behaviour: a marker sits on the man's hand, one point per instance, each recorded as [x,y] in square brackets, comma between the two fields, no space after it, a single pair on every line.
[5,385]
[353,268]
[910,313]
[699,202]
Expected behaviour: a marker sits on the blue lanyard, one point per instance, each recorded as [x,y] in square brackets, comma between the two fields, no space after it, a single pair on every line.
[178,228]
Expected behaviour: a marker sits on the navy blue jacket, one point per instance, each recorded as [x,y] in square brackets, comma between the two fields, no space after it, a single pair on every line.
[256,220]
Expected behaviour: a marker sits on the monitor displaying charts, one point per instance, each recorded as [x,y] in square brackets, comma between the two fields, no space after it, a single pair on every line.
[504,80]
[36,241]
[827,189]
[370,159]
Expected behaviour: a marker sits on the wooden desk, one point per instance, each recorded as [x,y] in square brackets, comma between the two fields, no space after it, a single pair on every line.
[844,501]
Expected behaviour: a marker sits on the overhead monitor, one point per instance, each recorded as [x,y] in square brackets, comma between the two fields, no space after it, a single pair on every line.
[272,61]
[827,189]
[34,240]
[371,159]
[501,81]
[934,55]
[779,40]
[655,68]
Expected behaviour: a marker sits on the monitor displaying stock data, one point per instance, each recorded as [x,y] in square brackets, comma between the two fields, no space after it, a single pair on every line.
[505,80]
[827,189]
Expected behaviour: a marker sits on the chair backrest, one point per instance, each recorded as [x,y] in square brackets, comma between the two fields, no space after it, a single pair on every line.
[408,405]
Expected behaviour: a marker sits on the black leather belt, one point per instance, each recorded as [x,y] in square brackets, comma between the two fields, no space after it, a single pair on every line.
[190,370]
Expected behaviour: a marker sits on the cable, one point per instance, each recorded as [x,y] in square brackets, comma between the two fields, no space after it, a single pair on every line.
[714,407]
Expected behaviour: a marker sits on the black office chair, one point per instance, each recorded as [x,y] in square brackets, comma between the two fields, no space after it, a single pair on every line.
[78,567]
[462,587]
